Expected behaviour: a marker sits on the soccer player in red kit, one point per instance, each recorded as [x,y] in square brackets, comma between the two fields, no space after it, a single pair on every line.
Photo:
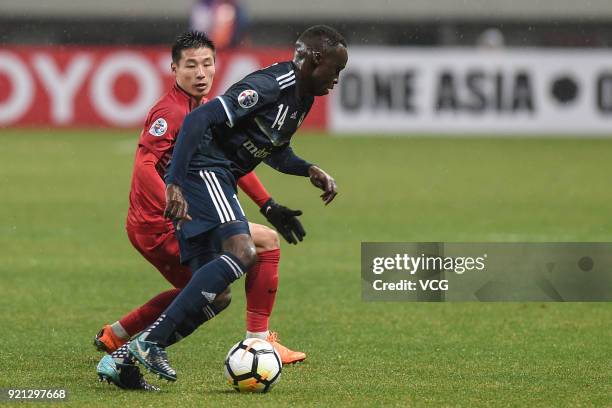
[193,65]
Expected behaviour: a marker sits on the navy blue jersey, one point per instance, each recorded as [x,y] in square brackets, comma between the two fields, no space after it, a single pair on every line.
[263,111]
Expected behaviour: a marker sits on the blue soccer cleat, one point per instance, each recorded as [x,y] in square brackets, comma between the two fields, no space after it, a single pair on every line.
[152,356]
[126,376]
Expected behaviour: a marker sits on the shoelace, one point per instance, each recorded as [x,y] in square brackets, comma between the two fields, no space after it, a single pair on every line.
[161,359]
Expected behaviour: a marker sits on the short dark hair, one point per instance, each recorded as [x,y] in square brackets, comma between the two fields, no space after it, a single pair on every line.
[190,39]
[326,34]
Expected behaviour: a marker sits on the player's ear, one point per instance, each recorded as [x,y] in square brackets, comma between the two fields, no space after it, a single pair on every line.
[316,57]
[173,67]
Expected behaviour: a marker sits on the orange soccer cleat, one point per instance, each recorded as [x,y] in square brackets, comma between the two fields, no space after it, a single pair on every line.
[287,355]
[106,340]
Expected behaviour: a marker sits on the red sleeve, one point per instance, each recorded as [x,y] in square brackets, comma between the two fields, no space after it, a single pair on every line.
[161,129]
[147,182]
[251,185]
[147,195]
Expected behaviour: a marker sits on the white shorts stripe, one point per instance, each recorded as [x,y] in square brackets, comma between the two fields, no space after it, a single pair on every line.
[218,197]
[287,85]
[278,78]
[227,261]
[235,197]
[288,79]
[223,197]
[212,196]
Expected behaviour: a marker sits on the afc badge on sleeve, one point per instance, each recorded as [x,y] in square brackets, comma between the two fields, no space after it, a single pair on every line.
[159,127]
[248,98]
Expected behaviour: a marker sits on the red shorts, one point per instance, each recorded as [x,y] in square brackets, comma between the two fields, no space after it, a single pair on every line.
[162,251]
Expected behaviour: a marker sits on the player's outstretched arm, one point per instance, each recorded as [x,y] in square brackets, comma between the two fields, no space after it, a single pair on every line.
[286,161]
[325,182]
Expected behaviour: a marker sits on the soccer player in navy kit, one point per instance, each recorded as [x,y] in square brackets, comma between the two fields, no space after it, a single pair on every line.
[218,143]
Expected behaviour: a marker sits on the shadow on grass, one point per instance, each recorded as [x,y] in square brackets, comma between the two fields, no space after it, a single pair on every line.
[234,392]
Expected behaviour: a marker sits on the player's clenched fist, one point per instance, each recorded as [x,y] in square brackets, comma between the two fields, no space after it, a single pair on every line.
[325,182]
[176,206]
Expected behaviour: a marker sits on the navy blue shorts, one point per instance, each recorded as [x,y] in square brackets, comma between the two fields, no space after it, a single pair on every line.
[215,211]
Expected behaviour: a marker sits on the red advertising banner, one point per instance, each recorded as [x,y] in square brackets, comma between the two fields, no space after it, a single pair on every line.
[51,86]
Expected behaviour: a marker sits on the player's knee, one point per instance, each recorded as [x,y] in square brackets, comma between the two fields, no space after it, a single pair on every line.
[243,248]
[248,256]
[223,300]
[266,239]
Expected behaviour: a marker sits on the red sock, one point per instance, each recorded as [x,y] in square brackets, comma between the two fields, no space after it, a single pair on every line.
[141,318]
[260,286]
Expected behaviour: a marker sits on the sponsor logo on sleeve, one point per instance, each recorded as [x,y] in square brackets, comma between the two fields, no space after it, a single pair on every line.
[248,98]
[159,127]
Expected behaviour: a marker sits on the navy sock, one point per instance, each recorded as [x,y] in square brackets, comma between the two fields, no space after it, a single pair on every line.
[205,284]
[191,323]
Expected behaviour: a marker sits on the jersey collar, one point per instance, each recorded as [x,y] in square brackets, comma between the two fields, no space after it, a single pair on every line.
[193,101]
[297,77]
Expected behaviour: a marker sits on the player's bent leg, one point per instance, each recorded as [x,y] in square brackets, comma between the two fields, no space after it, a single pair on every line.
[261,285]
[261,282]
[111,337]
[206,284]
[162,251]
[151,352]
[221,302]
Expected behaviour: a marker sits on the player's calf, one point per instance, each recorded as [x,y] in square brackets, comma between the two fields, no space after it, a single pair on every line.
[222,301]
[191,323]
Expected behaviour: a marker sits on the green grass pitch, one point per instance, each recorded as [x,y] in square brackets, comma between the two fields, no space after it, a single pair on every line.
[66,267]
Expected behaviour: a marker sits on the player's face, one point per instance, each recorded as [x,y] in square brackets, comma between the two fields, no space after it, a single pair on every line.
[195,71]
[326,73]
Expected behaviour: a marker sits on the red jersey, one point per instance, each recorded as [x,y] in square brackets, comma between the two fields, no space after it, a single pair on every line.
[147,192]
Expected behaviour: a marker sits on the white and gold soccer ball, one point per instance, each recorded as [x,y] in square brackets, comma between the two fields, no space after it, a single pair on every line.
[252,365]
